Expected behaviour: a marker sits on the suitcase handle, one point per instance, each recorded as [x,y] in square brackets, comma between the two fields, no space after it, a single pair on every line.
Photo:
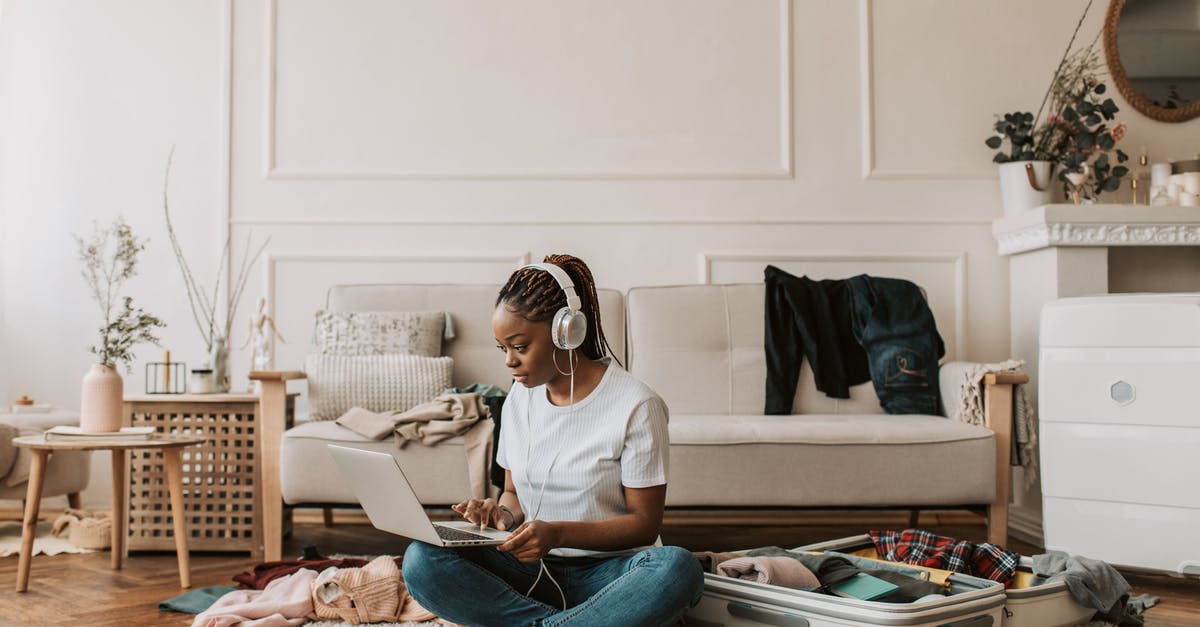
[766,617]
[974,621]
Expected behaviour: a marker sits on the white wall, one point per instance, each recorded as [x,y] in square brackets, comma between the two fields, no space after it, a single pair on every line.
[92,97]
[669,142]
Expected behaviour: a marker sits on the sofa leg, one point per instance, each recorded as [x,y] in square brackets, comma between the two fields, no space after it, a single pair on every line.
[327,514]
[914,517]
[997,522]
[74,501]
[998,401]
[272,423]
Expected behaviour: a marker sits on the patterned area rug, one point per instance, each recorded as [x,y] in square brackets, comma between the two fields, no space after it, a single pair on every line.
[44,543]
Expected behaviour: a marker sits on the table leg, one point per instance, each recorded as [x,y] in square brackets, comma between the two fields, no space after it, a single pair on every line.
[33,500]
[120,484]
[178,515]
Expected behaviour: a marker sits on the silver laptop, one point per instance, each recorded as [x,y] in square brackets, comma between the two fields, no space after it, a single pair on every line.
[390,503]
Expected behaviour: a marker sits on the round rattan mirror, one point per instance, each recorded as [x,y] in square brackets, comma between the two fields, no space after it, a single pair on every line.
[1153,53]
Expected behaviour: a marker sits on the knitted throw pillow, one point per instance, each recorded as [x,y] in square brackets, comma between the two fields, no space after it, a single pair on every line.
[378,383]
[380,332]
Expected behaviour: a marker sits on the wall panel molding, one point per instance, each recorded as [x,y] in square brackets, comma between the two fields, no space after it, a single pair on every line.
[785,141]
[956,259]
[649,221]
[225,154]
[866,60]
[272,261]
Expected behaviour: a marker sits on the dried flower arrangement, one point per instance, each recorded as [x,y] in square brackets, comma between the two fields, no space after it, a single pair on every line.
[214,330]
[105,272]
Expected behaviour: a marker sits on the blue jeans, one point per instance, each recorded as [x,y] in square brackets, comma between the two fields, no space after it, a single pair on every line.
[483,586]
[894,324]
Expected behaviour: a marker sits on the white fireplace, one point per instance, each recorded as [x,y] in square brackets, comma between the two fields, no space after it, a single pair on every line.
[1057,251]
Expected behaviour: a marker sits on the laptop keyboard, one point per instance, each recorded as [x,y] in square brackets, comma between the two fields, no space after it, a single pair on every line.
[447,533]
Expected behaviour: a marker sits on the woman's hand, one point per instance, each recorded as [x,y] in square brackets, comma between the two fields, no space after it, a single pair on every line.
[532,540]
[482,512]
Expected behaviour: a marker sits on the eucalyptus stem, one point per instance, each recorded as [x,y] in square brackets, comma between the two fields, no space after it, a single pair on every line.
[1057,71]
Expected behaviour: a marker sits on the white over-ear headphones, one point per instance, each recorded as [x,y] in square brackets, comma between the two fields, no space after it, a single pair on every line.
[568,329]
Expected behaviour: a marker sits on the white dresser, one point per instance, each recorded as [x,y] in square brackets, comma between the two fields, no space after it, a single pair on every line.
[1120,428]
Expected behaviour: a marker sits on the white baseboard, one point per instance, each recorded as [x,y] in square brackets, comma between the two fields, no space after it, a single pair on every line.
[1025,525]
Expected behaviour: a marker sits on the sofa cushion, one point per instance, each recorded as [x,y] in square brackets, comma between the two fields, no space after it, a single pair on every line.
[380,332]
[374,382]
[827,460]
[701,348]
[470,307]
[308,474]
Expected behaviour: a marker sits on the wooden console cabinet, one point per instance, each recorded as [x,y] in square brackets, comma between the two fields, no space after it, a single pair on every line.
[222,479]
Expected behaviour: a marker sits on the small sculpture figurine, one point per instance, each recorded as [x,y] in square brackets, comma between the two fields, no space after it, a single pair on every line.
[261,358]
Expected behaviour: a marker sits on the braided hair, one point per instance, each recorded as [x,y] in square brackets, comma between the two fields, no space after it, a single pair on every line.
[535,296]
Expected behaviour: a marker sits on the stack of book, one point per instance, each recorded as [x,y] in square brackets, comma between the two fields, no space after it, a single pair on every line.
[69,433]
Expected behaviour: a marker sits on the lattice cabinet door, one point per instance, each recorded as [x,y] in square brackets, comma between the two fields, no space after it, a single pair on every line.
[221,478]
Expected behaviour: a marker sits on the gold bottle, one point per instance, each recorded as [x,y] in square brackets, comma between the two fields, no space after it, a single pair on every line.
[1139,180]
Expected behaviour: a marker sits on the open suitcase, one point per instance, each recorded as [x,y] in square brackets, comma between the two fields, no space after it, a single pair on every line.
[973,602]
[1026,604]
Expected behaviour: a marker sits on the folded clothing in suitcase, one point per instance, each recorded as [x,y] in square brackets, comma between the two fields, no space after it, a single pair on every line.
[1028,602]
[970,602]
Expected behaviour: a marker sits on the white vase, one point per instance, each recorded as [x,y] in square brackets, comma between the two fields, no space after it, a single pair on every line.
[101,400]
[1025,185]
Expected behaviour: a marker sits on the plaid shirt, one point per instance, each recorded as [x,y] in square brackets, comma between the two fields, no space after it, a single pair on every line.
[913,546]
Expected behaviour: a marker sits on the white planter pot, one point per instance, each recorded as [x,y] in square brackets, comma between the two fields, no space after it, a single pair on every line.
[101,400]
[1022,191]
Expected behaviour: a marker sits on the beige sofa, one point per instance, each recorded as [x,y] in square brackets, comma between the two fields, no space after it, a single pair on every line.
[700,347]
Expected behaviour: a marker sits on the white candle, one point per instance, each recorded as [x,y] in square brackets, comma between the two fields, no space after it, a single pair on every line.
[1159,173]
[1191,182]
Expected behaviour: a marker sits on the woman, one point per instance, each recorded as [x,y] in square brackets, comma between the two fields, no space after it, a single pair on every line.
[584,448]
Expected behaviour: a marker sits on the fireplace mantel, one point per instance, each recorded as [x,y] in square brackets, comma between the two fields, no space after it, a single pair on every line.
[1056,251]
[1097,225]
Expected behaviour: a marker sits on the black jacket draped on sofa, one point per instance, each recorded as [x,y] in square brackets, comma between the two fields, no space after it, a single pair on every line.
[851,330]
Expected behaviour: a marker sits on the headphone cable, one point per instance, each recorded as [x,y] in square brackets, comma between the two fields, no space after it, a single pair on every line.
[543,569]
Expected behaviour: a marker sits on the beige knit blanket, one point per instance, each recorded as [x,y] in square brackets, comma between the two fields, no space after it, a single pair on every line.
[430,423]
[971,410]
[372,593]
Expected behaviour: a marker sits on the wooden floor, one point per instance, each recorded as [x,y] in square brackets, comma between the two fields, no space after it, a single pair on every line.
[82,590]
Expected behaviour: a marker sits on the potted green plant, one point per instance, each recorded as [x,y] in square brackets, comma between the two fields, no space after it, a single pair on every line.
[124,325]
[1074,143]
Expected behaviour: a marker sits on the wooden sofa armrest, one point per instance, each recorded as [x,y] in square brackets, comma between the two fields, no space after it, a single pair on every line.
[272,423]
[998,416]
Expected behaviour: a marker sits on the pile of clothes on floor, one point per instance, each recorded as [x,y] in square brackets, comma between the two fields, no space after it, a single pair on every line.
[352,590]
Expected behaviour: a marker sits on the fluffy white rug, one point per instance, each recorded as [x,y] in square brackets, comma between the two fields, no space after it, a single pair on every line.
[44,543]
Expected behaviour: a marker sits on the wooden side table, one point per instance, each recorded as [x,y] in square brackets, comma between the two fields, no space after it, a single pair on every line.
[223,500]
[170,445]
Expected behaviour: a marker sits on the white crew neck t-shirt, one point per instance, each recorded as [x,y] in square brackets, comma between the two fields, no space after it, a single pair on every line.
[615,437]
